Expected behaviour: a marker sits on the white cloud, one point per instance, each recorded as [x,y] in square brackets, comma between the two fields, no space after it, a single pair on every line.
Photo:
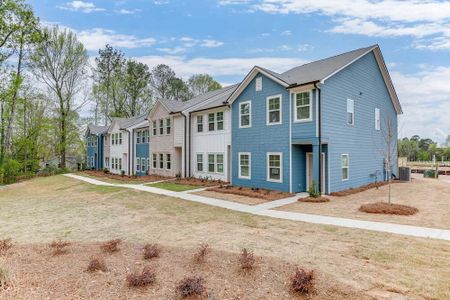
[172,51]
[160,2]
[124,11]
[286,32]
[211,43]
[86,7]
[96,38]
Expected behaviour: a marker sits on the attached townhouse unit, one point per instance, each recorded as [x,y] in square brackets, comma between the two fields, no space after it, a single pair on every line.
[322,123]
[95,146]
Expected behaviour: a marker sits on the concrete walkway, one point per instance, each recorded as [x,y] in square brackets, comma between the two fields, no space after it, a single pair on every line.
[265,209]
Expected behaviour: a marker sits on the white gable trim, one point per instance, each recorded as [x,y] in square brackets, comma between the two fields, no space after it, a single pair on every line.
[249,78]
[386,77]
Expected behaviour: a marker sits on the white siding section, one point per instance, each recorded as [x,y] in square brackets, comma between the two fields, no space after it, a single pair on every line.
[178,131]
[118,151]
[210,142]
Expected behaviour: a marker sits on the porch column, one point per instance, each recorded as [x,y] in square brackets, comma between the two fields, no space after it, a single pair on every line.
[316,161]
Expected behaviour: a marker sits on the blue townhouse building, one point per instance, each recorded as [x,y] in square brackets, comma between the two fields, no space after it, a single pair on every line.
[323,123]
[95,146]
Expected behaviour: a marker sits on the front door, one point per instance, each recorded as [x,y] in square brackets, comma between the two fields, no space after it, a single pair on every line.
[309,170]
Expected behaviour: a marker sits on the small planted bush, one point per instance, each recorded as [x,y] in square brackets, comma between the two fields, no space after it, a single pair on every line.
[96,264]
[202,252]
[246,260]
[59,247]
[139,279]
[303,281]
[111,246]
[5,245]
[191,286]
[312,191]
[151,251]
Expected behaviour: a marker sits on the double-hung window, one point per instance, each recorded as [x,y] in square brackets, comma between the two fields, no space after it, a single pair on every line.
[138,164]
[161,161]
[199,162]
[148,135]
[303,111]
[148,164]
[120,138]
[350,112]
[154,160]
[138,138]
[219,163]
[345,166]
[211,122]
[120,164]
[274,110]
[377,119]
[155,128]
[168,162]
[244,165]
[274,167]
[142,164]
[245,118]
[112,139]
[219,119]
[168,126]
[211,163]
[161,126]
[199,123]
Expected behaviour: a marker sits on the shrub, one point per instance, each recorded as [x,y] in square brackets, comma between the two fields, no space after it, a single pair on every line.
[4,277]
[191,286]
[312,191]
[201,253]
[146,277]
[59,247]
[303,281]
[151,251]
[122,173]
[5,245]
[111,246]
[314,199]
[246,260]
[96,264]
[106,171]
[388,208]
[10,170]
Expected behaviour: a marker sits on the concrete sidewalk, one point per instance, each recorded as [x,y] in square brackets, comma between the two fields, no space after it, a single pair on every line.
[265,209]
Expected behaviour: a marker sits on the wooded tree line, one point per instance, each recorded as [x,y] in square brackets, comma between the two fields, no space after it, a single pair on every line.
[46,79]
[423,149]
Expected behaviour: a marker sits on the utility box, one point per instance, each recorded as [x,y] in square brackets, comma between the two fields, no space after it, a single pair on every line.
[404,173]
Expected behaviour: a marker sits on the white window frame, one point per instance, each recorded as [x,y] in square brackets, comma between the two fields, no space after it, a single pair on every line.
[148,164]
[350,110]
[377,119]
[161,126]
[268,111]
[138,164]
[155,160]
[197,162]
[249,114]
[249,165]
[200,123]
[155,128]
[345,167]
[213,122]
[213,163]
[222,121]
[258,84]
[296,117]
[280,154]
[120,138]
[168,126]
[168,161]
[143,167]
[161,161]
[138,136]
[217,163]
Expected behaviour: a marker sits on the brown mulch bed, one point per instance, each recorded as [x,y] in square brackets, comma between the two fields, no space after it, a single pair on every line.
[36,274]
[145,178]
[320,199]
[386,208]
[249,192]
[362,188]
[198,182]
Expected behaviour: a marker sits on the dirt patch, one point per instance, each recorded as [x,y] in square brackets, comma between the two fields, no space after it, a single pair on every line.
[232,197]
[140,179]
[251,192]
[362,188]
[199,182]
[36,273]
[388,208]
[320,199]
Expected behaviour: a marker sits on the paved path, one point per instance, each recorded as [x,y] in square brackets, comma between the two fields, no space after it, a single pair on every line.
[265,209]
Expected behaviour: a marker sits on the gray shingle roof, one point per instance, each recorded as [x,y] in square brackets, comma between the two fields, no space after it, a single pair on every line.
[219,99]
[95,129]
[128,122]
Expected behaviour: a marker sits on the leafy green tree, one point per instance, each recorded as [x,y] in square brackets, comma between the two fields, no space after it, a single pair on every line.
[202,83]
[137,88]
[178,90]
[162,78]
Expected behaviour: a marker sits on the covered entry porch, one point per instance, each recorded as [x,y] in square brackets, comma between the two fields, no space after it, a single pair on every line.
[306,163]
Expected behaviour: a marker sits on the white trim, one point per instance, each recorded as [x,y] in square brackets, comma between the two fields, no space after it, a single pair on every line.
[348,167]
[328,164]
[249,78]
[290,142]
[316,105]
[296,120]
[280,96]
[350,112]
[259,87]
[249,102]
[249,165]
[323,170]
[268,167]
[377,119]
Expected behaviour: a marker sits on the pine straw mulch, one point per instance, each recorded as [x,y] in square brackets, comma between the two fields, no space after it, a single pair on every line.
[389,209]
[320,199]
[145,178]
[362,188]
[199,182]
[251,192]
[36,273]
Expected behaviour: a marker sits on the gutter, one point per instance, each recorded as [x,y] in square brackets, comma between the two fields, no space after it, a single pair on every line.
[185,143]
[319,105]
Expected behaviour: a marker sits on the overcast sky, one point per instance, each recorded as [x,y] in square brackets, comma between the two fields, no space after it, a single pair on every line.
[225,38]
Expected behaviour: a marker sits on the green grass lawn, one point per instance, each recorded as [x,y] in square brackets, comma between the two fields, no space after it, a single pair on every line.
[175,187]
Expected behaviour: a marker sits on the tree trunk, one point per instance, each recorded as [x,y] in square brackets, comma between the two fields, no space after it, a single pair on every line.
[63,141]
